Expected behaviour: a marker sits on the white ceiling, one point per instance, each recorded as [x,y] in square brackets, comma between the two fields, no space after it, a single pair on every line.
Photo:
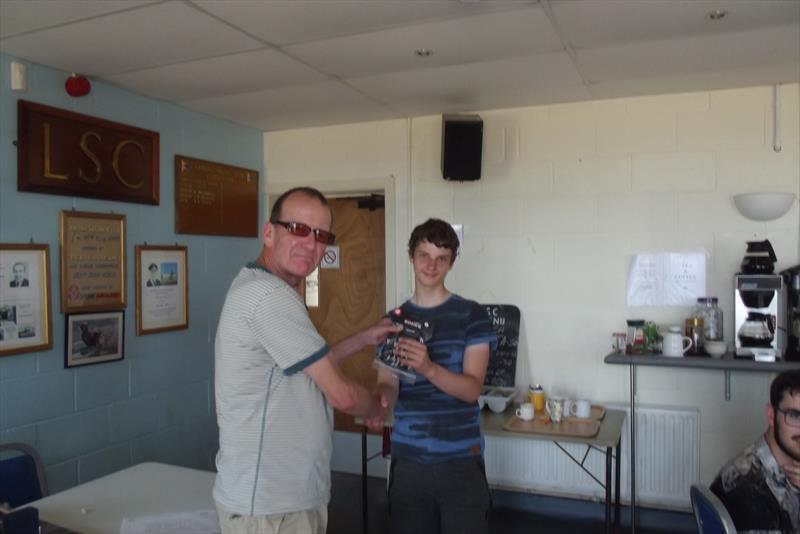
[278,64]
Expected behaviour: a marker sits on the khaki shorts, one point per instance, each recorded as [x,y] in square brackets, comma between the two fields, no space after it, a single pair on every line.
[306,522]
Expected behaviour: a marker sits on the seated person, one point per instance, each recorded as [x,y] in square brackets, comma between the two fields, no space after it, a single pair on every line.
[761,487]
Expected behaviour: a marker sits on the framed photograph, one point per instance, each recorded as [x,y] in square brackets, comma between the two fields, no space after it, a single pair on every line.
[92,262]
[94,338]
[161,289]
[24,298]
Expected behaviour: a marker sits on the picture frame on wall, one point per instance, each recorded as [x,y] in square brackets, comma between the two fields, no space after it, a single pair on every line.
[162,288]
[92,262]
[94,338]
[25,315]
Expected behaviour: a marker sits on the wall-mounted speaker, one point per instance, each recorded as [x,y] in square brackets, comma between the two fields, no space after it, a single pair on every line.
[462,146]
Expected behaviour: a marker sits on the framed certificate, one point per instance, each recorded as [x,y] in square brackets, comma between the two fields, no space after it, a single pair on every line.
[92,262]
[162,285]
[24,298]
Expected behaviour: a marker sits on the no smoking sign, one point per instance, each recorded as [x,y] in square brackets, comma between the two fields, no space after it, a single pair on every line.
[330,260]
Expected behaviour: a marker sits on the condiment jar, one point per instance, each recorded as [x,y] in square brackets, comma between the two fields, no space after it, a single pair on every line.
[618,345]
[708,310]
[695,331]
[536,397]
[635,340]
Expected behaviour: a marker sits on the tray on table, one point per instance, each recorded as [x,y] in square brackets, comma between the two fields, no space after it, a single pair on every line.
[583,428]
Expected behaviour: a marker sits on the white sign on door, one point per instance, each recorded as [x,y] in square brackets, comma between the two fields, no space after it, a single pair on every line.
[330,260]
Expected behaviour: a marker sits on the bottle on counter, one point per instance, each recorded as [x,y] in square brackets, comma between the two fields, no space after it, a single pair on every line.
[635,337]
[711,314]
[536,397]
[695,331]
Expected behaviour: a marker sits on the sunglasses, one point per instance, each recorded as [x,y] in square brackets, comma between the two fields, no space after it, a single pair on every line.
[302,230]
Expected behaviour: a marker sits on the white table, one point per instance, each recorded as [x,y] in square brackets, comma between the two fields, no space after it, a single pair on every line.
[149,488]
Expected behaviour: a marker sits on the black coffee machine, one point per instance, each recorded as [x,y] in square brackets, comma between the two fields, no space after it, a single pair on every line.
[792,280]
[760,309]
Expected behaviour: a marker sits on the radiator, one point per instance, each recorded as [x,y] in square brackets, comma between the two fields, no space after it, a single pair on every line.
[667,461]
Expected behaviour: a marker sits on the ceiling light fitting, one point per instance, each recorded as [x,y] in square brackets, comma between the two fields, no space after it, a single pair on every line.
[717,14]
[423,52]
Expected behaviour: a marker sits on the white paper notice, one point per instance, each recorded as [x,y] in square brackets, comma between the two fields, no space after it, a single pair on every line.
[666,279]
[197,522]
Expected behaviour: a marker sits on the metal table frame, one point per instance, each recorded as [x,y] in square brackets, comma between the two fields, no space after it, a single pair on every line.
[607,441]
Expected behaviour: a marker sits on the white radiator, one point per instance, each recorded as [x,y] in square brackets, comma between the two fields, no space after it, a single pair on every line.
[667,461]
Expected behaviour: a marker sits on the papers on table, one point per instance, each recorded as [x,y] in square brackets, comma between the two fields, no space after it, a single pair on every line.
[196,522]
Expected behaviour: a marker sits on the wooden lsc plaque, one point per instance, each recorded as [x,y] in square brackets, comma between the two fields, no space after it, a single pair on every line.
[215,199]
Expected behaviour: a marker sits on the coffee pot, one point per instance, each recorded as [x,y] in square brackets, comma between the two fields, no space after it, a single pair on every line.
[757,330]
[759,258]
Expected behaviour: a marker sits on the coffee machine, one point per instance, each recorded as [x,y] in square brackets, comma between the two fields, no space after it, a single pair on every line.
[760,316]
[791,277]
[760,305]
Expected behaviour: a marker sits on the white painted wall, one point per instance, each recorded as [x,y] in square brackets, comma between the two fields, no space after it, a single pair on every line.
[568,193]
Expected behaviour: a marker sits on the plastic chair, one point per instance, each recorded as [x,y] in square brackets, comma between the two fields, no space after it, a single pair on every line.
[711,515]
[22,476]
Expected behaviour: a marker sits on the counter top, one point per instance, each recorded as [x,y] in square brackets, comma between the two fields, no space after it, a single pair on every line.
[726,362]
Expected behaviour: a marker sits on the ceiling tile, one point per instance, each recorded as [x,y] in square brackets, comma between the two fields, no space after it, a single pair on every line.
[502,83]
[20,16]
[687,83]
[696,55]
[237,73]
[592,23]
[154,35]
[295,107]
[284,22]
[521,32]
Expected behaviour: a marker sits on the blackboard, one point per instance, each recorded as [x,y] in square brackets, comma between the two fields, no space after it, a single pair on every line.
[503,360]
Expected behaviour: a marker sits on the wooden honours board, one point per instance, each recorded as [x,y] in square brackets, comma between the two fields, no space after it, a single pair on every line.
[503,360]
[215,199]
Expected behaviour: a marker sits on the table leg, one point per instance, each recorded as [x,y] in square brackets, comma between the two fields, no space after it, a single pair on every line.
[616,485]
[633,447]
[608,489]
[364,511]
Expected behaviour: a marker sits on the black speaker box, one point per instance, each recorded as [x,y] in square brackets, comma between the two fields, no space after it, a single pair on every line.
[462,147]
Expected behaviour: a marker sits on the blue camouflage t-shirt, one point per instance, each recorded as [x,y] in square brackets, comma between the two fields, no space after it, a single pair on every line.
[431,426]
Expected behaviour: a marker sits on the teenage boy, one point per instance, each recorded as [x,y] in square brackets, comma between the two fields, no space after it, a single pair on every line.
[437,478]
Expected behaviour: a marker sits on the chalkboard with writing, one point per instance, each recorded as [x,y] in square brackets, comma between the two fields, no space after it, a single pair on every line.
[503,360]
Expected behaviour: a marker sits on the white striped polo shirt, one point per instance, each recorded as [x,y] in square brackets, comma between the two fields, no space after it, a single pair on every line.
[275,427]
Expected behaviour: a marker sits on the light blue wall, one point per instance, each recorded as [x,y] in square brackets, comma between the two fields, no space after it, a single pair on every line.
[157,403]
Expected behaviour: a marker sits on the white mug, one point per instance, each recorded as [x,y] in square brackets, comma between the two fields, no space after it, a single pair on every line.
[555,408]
[569,405]
[582,409]
[675,344]
[525,411]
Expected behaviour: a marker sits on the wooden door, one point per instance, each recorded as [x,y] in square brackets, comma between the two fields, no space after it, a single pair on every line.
[353,296]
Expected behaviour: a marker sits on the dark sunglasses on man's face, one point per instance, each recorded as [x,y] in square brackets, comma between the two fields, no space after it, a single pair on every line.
[302,230]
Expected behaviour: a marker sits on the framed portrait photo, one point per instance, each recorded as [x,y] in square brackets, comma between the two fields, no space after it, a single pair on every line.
[24,298]
[92,262]
[162,285]
[94,338]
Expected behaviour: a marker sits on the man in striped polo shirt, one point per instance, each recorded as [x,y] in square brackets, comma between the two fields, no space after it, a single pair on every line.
[276,380]
[438,482]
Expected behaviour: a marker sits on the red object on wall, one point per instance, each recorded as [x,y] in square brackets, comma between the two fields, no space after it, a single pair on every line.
[77,85]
